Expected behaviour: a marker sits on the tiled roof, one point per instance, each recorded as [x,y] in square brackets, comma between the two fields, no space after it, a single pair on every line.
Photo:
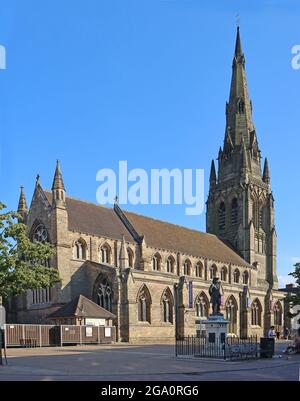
[94,219]
[82,307]
[163,235]
[102,221]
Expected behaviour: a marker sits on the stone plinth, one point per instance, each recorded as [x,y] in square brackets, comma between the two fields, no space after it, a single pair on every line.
[216,328]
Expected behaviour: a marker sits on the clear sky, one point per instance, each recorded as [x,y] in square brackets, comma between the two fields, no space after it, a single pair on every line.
[94,82]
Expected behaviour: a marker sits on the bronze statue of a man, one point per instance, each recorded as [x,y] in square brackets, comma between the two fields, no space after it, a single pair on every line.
[215,296]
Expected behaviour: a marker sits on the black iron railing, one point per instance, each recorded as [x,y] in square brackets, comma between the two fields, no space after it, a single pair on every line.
[230,348]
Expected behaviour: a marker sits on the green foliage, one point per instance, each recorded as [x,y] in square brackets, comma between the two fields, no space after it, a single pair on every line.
[22,261]
[295,298]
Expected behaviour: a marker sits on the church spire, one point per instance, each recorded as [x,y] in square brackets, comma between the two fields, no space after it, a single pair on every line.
[266,173]
[238,45]
[22,206]
[213,176]
[239,109]
[58,188]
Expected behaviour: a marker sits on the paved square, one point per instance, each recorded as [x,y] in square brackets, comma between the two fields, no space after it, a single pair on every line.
[138,362]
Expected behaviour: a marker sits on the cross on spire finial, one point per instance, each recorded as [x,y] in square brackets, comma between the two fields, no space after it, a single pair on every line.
[238,20]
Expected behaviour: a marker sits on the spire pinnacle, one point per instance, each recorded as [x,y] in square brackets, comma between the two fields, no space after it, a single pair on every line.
[22,206]
[266,173]
[58,189]
[213,176]
[238,45]
[123,254]
[57,180]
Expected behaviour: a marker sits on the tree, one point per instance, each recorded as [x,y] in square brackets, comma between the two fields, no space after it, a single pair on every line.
[23,263]
[295,298]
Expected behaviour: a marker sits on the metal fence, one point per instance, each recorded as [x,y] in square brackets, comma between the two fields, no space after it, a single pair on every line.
[230,348]
[37,335]
[87,334]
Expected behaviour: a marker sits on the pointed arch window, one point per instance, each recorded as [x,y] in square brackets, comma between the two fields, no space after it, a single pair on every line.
[40,234]
[199,270]
[41,295]
[130,257]
[105,294]
[236,276]
[256,312]
[167,306]
[231,315]
[156,262]
[224,273]
[170,264]
[79,250]
[213,272]
[187,267]
[221,216]
[245,277]
[144,305]
[258,214]
[234,211]
[105,254]
[202,306]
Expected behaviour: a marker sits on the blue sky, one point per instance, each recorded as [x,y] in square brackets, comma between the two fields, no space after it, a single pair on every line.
[94,82]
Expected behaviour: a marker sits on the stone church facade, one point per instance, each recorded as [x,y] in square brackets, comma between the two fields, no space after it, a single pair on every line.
[153,275]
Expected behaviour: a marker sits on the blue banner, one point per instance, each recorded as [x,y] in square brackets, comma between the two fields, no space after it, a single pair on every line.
[190,294]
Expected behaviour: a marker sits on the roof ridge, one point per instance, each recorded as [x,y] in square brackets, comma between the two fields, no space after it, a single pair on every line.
[168,222]
[137,214]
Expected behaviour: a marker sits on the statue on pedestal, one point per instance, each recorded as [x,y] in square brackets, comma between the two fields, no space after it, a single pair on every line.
[215,296]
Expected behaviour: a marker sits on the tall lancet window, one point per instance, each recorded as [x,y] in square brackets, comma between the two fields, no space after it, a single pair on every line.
[222,215]
[202,305]
[105,254]
[144,305]
[234,211]
[41,295]
[167,306]
[231,315]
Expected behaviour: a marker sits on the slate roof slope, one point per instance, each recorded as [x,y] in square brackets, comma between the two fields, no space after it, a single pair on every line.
[103,221]
[94,219]
[163,235]
[82,306]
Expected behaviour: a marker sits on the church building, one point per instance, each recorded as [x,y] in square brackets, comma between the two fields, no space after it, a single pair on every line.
[153,275]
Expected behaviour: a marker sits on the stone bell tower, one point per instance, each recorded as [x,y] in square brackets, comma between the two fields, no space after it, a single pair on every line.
[240,205]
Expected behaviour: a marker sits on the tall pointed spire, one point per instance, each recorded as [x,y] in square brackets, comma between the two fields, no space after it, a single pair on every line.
[238,46]
[213,176]
[57,180]
[58,188]
[266,173]
[123,259]
[238,108]
[22,206]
